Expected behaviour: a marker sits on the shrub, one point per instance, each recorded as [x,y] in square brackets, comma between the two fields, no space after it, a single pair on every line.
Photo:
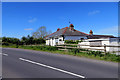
[50,48]
[44,48]
[70,42]
[5,44]
[78,41]
[75,51]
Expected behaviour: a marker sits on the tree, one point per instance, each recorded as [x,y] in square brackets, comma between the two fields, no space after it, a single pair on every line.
[24,40]
[40,33]
[31,40]
[4,39]
[15,41]
[49,32]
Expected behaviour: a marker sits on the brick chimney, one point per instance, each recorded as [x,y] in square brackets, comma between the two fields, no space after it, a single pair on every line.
[58,29]
[71,27]
[91,32]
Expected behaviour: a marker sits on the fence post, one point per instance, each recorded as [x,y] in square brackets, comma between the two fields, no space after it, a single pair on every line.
[65,46]
[79,46]
[105,48]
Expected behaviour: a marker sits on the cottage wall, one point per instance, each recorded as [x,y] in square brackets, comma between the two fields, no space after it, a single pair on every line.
[60,40]
[47,42]
[55,41]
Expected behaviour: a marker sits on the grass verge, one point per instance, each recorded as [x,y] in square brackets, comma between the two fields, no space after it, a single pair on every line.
[75,52]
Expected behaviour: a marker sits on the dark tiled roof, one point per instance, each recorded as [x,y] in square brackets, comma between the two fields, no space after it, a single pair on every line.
[100,36]
[67,32]
[74,32]
[57,33]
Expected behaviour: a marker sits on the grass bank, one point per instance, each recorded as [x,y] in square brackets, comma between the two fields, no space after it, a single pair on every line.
[75,52]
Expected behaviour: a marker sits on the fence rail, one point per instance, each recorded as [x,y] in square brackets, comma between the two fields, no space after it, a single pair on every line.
[78,46]
[91,45]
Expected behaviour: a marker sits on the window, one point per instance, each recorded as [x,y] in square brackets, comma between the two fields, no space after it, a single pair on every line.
[82,38]
[60,39]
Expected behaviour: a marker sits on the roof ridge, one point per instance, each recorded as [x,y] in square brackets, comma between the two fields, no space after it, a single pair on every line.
[65,30]
[55,32]
[50,34]
[81,32]
[103,35]
[64,27]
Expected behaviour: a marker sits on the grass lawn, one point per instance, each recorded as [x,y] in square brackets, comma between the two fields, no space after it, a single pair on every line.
[75,52]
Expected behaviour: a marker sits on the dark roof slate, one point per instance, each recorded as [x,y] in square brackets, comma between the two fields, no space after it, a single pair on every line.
[67,32]
[100,36]
[74,32]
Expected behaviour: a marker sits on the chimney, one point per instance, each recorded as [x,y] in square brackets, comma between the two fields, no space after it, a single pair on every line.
[91,32]
[58,29]
[71,27]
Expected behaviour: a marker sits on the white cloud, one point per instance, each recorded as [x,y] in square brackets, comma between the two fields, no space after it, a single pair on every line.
[28,29]
[32,20]
[94,12]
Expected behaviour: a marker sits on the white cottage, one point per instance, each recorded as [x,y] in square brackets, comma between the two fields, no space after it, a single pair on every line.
[67,33]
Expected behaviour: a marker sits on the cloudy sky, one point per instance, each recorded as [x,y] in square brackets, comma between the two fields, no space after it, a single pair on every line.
[21,19]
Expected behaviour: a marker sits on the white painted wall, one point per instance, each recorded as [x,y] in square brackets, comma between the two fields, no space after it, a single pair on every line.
[109,41]
[47,42]
[54,41]
[88,43]
[114,41]
[60,41]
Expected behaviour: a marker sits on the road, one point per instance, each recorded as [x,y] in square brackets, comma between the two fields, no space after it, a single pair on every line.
[20,63]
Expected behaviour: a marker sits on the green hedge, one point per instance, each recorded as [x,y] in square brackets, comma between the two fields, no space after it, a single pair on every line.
[72,42]
[43,48]
[96,54]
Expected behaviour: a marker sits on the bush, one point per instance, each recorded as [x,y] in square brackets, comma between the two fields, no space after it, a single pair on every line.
[72,42]
[43,48]
[50,48]
[5,44]
[75,51]
[78,41]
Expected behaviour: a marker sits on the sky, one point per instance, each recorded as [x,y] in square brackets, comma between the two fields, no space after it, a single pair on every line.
[60,0]
[23,18]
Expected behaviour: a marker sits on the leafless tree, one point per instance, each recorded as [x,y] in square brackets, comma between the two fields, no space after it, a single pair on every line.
[41,32]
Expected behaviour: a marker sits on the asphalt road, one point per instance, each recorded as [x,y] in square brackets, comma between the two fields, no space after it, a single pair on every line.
[20,63]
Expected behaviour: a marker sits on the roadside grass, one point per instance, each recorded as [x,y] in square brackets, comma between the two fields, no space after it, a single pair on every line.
[75,52]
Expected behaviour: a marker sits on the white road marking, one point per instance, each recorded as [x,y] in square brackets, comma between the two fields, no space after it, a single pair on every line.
[51,67]
[4,54]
